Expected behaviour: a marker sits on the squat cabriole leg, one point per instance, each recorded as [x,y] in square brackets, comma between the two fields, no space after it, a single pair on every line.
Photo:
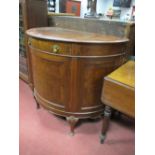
[72,122]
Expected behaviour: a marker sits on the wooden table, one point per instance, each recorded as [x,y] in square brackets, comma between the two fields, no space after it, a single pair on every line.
[118,92]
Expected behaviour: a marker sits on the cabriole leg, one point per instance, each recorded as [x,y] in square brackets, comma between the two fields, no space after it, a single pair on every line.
[72,122]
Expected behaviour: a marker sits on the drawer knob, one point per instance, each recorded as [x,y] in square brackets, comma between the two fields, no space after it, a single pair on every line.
[29,42]
[56,49]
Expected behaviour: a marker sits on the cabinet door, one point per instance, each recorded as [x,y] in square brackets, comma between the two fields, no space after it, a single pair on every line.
[51,75]
[73,7]
[91,74]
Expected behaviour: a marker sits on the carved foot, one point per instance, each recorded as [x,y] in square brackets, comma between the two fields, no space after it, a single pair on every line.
[72,122]
[105,125]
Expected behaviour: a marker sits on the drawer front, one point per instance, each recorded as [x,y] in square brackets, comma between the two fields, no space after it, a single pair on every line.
[99,49]
[54,47]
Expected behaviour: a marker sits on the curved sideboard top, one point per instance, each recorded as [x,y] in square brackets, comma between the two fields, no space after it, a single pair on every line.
[67,35]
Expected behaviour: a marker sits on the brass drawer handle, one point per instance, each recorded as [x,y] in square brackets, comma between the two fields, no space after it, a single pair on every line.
[29,42]
[55,49]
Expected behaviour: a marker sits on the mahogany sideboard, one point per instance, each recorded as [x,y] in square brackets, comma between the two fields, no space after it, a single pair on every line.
[68,67]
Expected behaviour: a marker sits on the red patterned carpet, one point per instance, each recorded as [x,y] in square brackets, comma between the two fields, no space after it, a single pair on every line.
[42,133]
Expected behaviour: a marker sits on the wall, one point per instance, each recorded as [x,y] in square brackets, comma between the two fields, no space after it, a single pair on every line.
[102,7]
[57,6]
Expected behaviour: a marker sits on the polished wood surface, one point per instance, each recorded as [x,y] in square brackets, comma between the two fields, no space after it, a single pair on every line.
[119,89]
[118,92]
[68,70]
[101,26]
[125,74]
[80,50]
[68,35]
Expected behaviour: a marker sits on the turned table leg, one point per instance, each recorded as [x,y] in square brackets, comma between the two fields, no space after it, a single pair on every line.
[105,125]
[72,122]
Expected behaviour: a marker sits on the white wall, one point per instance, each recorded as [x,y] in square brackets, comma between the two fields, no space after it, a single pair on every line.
[57,6]
[102,7]
[83,7]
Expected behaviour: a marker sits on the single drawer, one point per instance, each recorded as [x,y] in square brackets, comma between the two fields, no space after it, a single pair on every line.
[99,49]
[54,47]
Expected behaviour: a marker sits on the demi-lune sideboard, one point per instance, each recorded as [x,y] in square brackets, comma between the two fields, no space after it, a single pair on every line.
[68,67]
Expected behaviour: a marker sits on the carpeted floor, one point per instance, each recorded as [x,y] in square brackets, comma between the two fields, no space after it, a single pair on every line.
[42,133]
